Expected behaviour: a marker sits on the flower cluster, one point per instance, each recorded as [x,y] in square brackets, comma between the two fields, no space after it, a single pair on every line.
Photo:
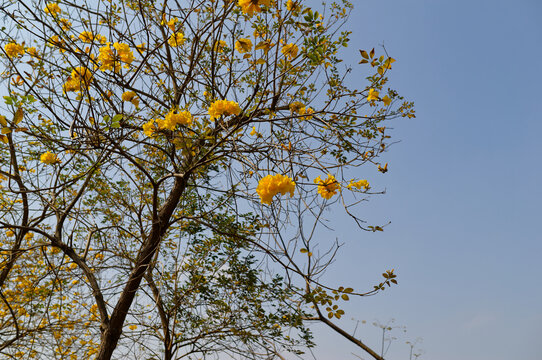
[130,96]
[52,9]
[328,187]
[14,50]
[88,37]
[243,45]
[223,108]
[108,59]
[358,184]
[290,51]
[173,119]
[49,158]
[176,39]
[80,78]
[249,7]
[299,108]
[149,129]
[271,185]
[373,95]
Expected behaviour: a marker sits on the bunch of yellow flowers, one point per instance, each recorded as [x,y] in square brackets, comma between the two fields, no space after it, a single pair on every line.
[271,185]
[249,7]
[80,78]
[328,187]
[223,108]
[88,37]
[13,49]
[290,51]
[358,184]
[176,39]
[173,119]
[130,96]
[49,158]
[243,45]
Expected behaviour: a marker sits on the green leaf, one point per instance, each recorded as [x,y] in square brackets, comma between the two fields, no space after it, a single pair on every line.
[364,54]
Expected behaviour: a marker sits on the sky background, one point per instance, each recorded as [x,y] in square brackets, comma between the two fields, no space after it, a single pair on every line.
[463,187]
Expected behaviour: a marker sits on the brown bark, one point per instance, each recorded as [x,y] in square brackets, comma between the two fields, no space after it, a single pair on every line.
[111,334]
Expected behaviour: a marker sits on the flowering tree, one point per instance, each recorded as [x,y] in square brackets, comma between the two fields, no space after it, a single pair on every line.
[164,170]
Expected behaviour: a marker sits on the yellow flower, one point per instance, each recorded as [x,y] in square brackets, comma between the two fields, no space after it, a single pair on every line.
[386,100]
[65,23]
[32,52]
[176,39]
[80,78]
[149,129]
[223,108]
[249,7]
[130,96]
[271,185]
[170,24]
[88,37]
[253,132]
[358,184]
[49,158]
[29,236]
[14,50]
[132,327]
[373,95]
[10,233]
[297,108]
[52,9]
[290,51]
[107,59]
[173,119]
[219,46]
[328,187]
[243,45]
[292,6]
[124,52]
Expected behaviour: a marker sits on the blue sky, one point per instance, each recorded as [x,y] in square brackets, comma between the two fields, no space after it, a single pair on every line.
[463,190]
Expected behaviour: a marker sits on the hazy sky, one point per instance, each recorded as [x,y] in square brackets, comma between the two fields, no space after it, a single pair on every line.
[463,190]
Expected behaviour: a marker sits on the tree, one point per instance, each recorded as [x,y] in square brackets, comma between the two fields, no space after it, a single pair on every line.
[165,169]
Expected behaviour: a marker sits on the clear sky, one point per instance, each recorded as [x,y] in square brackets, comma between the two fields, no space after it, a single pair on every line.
[464,186]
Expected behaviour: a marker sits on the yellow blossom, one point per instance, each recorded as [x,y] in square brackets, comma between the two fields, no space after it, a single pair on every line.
[80,78]
[49,158]
[173,119]
[386,100]
[328,187]
[219,46]
[130,96]
[107,59]
[65,23]
[10,233]
[52,9]
[176,39]
[170,24]
[124,52]
[14,50]
[132,327]
[290,51]
[223,108]
[32,52]
[297,107]
[271,185]
[29,236]
[149,129]
[292,6]
[253,132]
[358,184]
[88,37]
[249,7]
[243,45]
[373,95]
